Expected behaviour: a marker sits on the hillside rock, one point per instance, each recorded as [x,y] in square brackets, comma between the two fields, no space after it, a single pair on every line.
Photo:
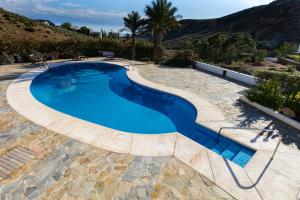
[276,23]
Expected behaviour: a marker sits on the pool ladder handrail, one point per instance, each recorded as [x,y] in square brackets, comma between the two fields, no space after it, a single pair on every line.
[256,129]
[46,65]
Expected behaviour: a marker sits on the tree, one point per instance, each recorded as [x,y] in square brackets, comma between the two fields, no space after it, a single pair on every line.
[227,48]
[84,30]
[103,33]
[67,25]
[134,24]
[161,19]
[113,35]
[285,49]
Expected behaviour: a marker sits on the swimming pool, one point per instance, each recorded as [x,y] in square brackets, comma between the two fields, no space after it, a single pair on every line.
[102,93]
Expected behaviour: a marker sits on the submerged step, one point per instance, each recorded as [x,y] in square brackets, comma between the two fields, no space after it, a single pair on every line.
[231,151]
[220,147]
[210,143]
[243,156]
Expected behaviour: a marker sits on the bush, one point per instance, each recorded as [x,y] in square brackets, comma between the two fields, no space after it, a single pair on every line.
[267,93]
[29,29]
[5,59]
[289,83]
[226,48]
[69,48]
[259,56]
[182,59]
[293,102]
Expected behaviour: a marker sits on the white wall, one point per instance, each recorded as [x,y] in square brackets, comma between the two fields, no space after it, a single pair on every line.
[244,78]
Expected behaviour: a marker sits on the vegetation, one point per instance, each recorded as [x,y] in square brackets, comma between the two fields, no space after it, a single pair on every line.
[267,93]
[288,82]
[277,90]
[226,48]
[259,56]
[294,102]
[84,30]
[67,25]
[182,59]
[285,49]
[135,24]
[269,29]
[161,19]
[71,48]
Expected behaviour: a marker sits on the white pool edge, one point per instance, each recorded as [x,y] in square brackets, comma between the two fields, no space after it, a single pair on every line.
[173,144]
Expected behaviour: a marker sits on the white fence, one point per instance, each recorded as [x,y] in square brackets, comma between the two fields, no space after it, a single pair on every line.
[244,78]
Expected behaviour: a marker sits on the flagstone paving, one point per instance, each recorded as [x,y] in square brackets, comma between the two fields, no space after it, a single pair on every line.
[67,169]
[64,168]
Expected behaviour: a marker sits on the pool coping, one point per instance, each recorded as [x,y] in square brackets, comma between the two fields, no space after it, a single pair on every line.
[196,156]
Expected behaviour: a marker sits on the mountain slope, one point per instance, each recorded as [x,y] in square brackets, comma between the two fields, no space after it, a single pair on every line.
[277,22]
[15,27]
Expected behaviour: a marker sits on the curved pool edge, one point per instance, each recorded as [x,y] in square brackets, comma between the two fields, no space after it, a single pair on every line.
[175,144]
[20,98]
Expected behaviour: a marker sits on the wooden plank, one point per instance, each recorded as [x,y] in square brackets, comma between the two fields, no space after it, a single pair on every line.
[10,163]
[3,175]
[25,158]
[26,150]
[24,153]
[13,160]
[16,157]
[2,164]
[6,171]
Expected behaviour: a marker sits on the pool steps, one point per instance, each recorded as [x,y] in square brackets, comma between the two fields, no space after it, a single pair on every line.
[223,146]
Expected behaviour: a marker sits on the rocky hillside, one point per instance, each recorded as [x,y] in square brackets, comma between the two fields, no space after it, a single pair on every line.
[275,23]
[16,27]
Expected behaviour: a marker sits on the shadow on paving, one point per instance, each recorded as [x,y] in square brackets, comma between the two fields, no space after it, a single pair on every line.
[13,75]
[252,115]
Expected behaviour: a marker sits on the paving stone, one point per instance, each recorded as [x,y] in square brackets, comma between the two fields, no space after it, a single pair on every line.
[68,169]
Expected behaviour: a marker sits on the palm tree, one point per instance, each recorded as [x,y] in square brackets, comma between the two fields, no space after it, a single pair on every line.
[135,24]
[161,19]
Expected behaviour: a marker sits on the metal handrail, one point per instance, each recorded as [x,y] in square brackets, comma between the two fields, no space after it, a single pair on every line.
[46,65]
[240,128]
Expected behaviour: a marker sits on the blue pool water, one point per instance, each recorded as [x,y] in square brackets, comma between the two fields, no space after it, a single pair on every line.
[103,94]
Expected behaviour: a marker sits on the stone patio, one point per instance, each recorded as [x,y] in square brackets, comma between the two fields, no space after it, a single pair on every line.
[68,169]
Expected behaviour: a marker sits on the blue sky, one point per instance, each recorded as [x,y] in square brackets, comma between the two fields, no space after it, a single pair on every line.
[108,14]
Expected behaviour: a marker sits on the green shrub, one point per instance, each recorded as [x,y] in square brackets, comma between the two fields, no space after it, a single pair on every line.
[226,48]
[293,102]
[5,59]
[291,69]
[267,93]
[259,56]
[289,83]
[29,29]
[69,48]
[182,59]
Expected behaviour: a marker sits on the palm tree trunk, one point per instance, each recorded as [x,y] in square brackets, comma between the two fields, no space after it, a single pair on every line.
[157,47]
[133,47]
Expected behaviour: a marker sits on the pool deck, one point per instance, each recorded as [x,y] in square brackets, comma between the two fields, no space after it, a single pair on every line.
[262,178]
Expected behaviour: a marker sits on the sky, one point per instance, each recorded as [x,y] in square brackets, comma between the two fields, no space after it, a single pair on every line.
[108,14]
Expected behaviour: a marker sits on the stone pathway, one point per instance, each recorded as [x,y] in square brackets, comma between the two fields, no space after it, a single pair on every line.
[67,169]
